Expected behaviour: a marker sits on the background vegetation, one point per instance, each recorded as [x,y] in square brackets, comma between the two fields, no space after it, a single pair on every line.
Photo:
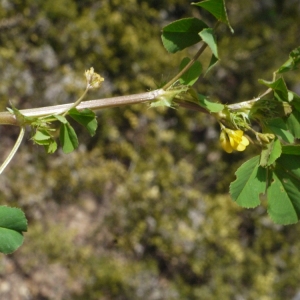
[141,210]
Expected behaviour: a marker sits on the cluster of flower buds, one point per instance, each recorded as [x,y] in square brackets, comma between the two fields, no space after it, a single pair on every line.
[265,138]
[94,80]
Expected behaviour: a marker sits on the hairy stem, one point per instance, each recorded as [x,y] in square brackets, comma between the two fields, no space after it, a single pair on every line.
[248,103]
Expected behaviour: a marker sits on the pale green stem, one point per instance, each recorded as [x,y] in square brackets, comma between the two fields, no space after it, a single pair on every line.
[13,150]
[248,104]
[186,68]
[192,61]
[77,101]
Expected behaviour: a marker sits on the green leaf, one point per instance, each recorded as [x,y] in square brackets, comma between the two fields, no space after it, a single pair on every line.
[68,138]
[212,63]
[291,149]
[217,9]
[181,34]
[208,37]
[12,223]
[293,123]
[51,146]
[41,135]
[278,127]
[60,118]
[296,101]
[279,88]
[283,192]
[271,153]
[193,73]
[249,184]
[86,118]
[292,63]
[212,107]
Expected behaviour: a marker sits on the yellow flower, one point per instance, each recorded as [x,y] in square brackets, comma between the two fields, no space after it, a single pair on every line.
[233,140]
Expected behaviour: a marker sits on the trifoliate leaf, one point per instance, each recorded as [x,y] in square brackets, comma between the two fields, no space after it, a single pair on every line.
[12,223]
[181,34]
[249,184]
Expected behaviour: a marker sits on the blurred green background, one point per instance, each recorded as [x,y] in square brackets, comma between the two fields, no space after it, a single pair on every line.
[141,210]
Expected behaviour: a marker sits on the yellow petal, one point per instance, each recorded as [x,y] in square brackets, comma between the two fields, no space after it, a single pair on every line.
[227,147]
[245,141]
[240,147]
[233,142]
[239,133]
[225,142]
[235,136]
[243,144]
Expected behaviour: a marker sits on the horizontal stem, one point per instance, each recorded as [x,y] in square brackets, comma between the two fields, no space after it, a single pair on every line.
[10,119]
[248,103]
[243,105]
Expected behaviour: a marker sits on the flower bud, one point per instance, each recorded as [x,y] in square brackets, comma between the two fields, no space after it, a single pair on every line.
[265,138]
[94,80]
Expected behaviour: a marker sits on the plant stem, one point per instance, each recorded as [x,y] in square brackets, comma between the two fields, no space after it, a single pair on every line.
[186,68]
[6,118]
[248,103]
[10,119]
[13,150]
[77,102]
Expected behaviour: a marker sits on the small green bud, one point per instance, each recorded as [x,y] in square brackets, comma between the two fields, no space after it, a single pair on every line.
[265,138]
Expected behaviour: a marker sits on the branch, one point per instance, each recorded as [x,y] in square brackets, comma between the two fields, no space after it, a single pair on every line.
[6,118]
[10,119]
[248,104]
